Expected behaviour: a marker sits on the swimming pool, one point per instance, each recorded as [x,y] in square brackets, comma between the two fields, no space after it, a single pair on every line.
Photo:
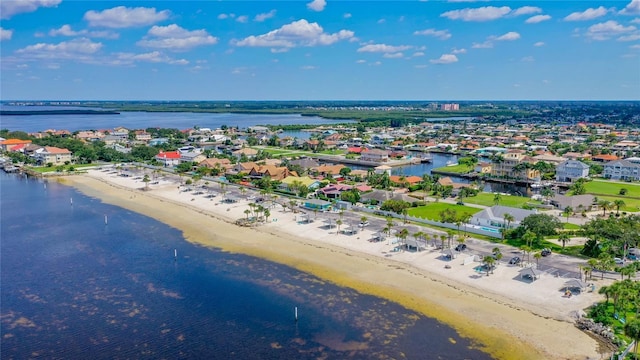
[490,229]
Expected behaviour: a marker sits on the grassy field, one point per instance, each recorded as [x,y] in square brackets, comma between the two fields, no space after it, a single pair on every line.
[486,199]
[458,169]
[612,188]
[630,205]
[432,210]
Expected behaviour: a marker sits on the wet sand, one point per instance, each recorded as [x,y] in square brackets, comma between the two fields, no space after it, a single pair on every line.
[505,324]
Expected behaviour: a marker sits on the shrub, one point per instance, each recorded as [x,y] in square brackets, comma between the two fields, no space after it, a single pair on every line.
[623,191]
[599,314]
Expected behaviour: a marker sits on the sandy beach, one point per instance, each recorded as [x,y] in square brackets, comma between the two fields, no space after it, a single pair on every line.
[506,317]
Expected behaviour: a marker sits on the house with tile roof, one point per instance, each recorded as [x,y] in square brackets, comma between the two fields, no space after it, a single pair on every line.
[168,158]
[494,216]
[53,155]
[6,145]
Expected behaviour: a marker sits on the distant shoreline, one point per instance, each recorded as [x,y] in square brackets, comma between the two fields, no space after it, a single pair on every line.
[57,112]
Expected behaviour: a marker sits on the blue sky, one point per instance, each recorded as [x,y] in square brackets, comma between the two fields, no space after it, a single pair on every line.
[320,50]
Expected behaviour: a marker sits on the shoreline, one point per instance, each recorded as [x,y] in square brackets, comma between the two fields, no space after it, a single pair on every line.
[501,325]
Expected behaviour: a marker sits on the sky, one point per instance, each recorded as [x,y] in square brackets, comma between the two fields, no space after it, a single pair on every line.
[320,50]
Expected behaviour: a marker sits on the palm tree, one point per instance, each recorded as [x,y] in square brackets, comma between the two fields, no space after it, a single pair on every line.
[247,212]
[508,218]
[618,204]
[146,180]
[568,211]
[564,239]
[527,252]
[402,235]
[604,205]
[632,330]
[497,198]
[266,213]
[338,223]
[489,261]
[537,256]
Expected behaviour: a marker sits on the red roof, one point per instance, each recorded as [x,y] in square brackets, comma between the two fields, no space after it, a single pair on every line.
[56,150]
[18,147]
[15,142]
[168,155]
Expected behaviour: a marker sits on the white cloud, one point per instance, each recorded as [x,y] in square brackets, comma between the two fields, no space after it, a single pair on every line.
[528,59]
[418,54]
[264,16]
[347,16]
[66,30]
[588,14]
[421,66]
[308,67]
[485,13]
[482,45]
[383,48]
[297,33]
[510,36]
[8,8]
[173,37]
[635,21]
[124,17]
[631,37]
[458,51]
[607,30]
[537,19]
[5,34]
[152,57]
[526,10]
[317,5]
[633,8]
[225,16]
[637,46]
[539,44]
[361,61]
[440,34]
[242,19]
[79,49]
[393,55]
[445,59]
[381,21]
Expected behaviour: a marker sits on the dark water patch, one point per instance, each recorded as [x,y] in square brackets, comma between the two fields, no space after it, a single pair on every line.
[75,288]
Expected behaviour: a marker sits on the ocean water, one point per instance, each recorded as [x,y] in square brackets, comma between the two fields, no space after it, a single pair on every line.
[144,120]
[74,287]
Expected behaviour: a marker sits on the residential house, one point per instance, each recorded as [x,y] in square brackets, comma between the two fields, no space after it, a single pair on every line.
[621,170]
[168,158]
[332,171]
[571,170]
[142,135]
[483,167]
[375,155]
[213,163]
[53,155]
[576,202]
[333,191]
[9,143]
[402,180]
[604,157]
[305,163]
[508,164]
[192,156]
[317,204]
[249,153]
[380,196]
[310,183]
[494,216]
[549,158]
[158,141]
[273,172]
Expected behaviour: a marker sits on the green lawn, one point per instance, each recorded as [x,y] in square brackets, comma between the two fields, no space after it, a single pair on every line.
[458,169]
[570,226]
[486,199]
[612,188]
[631,205]
[432,210]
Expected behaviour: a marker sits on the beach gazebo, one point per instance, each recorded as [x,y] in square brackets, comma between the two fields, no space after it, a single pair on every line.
[378,236]
[575,284]
[529,273]
[330,223]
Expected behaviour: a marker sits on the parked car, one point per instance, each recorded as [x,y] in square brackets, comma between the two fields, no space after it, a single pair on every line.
[618,261]
[514,260]
[364,223]
[461,247]
[545,252]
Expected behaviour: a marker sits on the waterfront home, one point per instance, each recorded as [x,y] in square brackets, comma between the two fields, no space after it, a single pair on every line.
[621,170]
[158,141]
[192,156]
[333,191]
[571,170]
[483,167]
[326,170]
[375,155]
[305,163]
[383,169]
[494,216]
[447,181]
[273,172]
[9,143]
[380,196]
[168,158]
[576,156]
[89,136]
[213,163]
[576,202]
[288,183]
[402,180]
[549,158]
[53,155]
[317,204]
[604,157]
[119,148]
[142,135]
[249,153]
[508,166]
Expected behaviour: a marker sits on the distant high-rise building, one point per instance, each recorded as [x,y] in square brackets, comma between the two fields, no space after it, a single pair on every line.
[449,107]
